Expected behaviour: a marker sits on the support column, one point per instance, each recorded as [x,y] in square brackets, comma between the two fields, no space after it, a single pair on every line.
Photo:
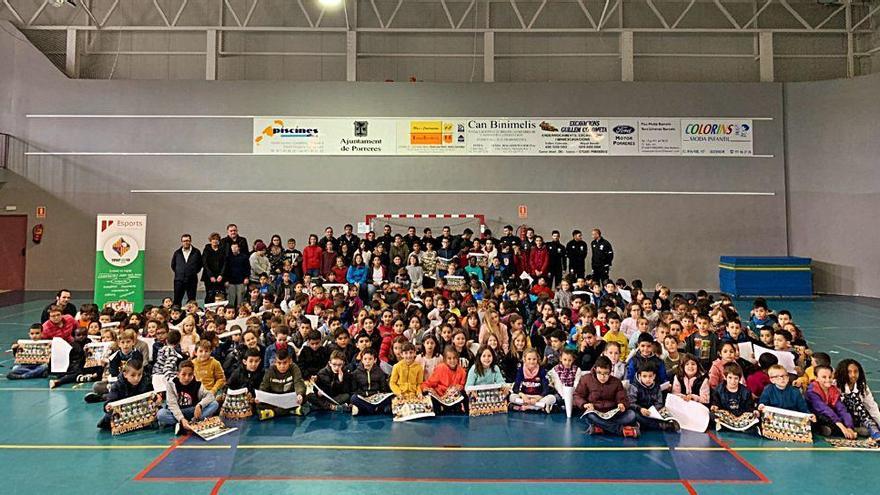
[850,42]
[351,56]
[71,64]
[489,56]
[626,56]
[211,56]
[765,56]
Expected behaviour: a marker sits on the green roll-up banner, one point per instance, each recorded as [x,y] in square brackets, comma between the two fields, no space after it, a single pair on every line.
[119,262]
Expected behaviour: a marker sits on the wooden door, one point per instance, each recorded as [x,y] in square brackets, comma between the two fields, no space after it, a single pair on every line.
[13,248]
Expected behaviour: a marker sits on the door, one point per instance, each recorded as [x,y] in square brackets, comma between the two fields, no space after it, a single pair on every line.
[13,247]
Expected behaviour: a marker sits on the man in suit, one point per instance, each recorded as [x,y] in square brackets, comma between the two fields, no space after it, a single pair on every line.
[231,238]
[186,263]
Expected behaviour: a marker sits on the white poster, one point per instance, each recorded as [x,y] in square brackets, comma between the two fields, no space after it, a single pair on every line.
[323,136]
[713,137]
[501,136]
[623,137]
[659,137]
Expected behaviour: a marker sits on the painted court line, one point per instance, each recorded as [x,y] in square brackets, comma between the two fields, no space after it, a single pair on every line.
[857,353]
[180,446]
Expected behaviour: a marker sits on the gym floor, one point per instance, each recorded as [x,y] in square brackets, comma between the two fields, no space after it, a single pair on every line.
[50,440]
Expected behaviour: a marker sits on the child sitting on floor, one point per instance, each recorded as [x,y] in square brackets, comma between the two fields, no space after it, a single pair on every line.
[130,384]
[728,355]
[782,394]
[76,359]
[448,379]
[407,375]
[368,380]
[125,353]
[690,383]
[858,398]
[187,399]
[599,393]
[644,392]
[283,377]
[824,399]
[28,371]
[207,369]
[335,382]
[731,395]
[531,390]
[249,374]
[759,380]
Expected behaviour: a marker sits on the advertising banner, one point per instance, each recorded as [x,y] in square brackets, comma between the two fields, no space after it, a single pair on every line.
[502,136]
[119,261]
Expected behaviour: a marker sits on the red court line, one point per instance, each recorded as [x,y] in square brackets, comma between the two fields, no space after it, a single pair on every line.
[738,457]
[161,457]
[217,486]
[687,486]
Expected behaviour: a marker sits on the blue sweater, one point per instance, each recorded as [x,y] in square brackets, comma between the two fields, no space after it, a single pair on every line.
[787,398]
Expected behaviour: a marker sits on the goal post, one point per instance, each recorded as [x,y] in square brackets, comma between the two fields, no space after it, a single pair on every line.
[402,221]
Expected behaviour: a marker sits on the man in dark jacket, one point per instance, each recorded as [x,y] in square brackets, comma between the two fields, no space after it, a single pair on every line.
[213,266]
[348,238]
[576,250]
[557,259]
[186,263]
[231,238]
[62,298]
[603,255]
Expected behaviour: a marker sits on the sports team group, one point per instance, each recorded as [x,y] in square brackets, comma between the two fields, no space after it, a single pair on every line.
[360,325]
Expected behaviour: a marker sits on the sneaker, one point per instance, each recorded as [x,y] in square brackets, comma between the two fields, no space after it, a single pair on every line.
[177,429]
[631,432]
[825,431]
[354,410]
[13,376]
[548,408]
[53,384]
[344,408]
[93,398]
[266,414]
[675,426]
[593,430]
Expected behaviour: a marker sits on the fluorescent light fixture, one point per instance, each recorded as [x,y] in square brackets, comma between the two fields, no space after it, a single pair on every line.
[330,3]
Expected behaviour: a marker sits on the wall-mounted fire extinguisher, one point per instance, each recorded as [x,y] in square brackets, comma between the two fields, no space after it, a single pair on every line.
[37,233]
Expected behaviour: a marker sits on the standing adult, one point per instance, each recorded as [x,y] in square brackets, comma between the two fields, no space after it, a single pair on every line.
[577,251]
[237,273]
[539,258]
[62,299]
[186,263]
[231,238]
[348,238]
[387,238]
[213,266]
[557,259]
[328,237]
[603,256]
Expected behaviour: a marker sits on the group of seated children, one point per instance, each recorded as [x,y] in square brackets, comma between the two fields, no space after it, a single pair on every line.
[439,344]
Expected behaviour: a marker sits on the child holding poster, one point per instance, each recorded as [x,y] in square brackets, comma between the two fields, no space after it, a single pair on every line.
[27,371]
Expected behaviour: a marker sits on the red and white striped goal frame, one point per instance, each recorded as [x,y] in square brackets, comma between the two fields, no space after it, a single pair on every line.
[370,218]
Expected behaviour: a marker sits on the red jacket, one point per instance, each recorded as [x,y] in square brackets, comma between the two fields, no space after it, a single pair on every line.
[325,301]
[539,260]
[521,263]
[442,378]
[64,330]
[312,258]
[341,273]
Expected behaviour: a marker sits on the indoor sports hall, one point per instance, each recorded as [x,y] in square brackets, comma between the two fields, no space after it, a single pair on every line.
[439,246]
